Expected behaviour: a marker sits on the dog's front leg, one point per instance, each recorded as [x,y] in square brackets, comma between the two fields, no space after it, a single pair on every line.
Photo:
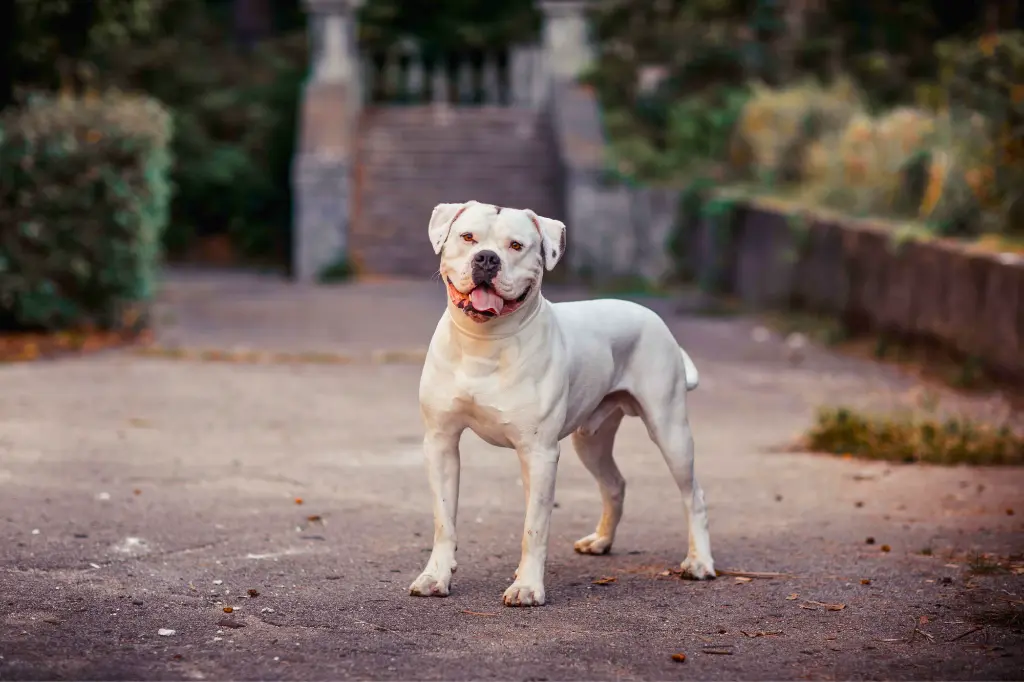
[442,455]
[539,466]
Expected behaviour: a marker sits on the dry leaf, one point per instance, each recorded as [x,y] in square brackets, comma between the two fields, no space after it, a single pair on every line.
[228,609]
[605,581]
[679,658]
[865,581]
[298,500]
[886,548]
[793,597]
[314,518]
[835,607]
[741,579]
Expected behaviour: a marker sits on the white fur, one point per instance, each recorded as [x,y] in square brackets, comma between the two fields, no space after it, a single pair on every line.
[540,374]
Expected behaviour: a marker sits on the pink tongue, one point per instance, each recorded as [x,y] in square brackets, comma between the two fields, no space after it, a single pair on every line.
[484,299]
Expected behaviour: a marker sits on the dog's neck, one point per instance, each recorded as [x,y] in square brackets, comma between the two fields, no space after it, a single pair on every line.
[500,327]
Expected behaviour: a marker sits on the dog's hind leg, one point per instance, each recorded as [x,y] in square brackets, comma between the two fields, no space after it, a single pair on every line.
[670,431]
[593,443]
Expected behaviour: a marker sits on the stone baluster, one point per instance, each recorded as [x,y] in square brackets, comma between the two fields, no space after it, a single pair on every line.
[369,77]
[464,82]
[415,77]
[491,82]
[439,83]
[392,75]
[519,75]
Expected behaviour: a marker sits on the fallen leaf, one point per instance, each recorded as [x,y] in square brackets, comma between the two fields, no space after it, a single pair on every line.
[886,548]
[792,597]
[679,658]
[298,500]
[253,593]
[228,609]
[865,581]
[314,518]
[230,624]
[477,613]
[605,581]
[741,579]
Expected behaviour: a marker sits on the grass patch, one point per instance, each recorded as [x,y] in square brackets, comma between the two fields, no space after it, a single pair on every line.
[958,440]
[338,271]
[826,330]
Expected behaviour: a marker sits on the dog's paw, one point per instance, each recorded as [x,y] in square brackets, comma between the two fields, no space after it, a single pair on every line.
[698,569]
[524,594]
[593,544]
[430,585]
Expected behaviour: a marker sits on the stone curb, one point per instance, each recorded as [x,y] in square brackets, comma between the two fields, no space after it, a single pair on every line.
[414,356]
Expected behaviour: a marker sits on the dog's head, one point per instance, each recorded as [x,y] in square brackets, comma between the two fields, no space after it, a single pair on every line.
[493,258]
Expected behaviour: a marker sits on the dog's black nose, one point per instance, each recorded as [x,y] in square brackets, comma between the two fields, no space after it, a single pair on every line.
[486,265]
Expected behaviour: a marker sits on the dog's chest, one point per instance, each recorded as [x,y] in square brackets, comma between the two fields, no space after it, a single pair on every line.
[489,419]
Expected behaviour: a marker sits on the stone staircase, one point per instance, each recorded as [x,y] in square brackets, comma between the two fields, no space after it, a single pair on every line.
[410,158]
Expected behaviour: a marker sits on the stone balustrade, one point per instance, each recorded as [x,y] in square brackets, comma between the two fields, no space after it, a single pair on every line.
[403,75]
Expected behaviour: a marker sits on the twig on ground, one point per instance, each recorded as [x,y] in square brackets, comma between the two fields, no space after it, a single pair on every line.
[969,632]
[764,575]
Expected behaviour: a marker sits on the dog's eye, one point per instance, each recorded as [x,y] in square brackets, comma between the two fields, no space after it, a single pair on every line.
[515,246]
[467,237]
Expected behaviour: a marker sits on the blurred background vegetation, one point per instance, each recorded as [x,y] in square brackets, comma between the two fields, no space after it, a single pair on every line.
[911,109]
[908,110]
[230,72]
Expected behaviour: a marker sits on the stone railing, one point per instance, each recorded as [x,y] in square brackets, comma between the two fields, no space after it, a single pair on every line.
[402,75]
[541,77]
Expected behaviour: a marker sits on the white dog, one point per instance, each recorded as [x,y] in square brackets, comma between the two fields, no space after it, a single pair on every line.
[523,373]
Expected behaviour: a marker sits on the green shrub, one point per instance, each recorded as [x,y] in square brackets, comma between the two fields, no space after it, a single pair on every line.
[234,119]
[986,76]
[84,197]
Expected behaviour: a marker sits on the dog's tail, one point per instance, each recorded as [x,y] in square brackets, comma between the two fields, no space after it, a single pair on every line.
[692,376]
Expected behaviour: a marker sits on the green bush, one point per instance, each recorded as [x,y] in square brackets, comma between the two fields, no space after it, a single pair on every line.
[84,197]
[234,119]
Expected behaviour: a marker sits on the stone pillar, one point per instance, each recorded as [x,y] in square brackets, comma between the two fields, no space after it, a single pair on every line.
[567,49]
[322,168]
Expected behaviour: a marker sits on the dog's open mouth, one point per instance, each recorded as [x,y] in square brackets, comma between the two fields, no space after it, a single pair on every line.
[484,303]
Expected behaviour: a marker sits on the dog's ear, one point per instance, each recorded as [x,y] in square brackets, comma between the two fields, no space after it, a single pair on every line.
[552,238]
[441,222]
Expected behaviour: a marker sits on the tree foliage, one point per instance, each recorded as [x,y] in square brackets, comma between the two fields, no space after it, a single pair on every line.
[448,25]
